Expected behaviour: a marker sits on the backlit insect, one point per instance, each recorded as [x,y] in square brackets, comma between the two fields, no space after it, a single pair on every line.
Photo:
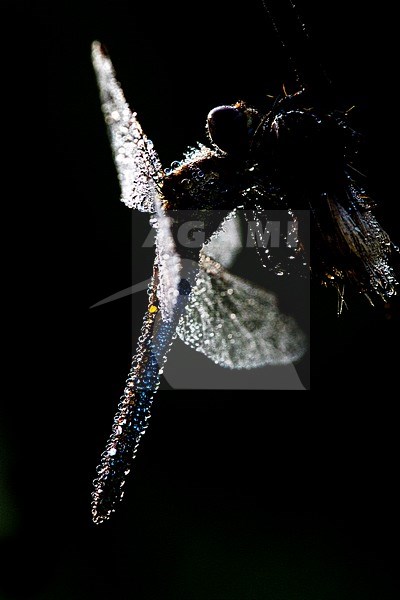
[289,157]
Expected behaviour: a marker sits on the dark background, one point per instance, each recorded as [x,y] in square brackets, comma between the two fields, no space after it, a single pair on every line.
[254,495]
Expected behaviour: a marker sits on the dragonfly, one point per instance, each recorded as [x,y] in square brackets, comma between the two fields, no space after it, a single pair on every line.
[258,160]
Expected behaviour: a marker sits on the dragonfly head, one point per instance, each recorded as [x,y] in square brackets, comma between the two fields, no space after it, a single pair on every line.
[231,128]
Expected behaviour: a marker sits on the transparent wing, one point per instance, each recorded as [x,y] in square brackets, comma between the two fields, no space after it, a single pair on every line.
[226,243]
[223,246]
[364,238]
[138,166]
[237,324]
[139,173]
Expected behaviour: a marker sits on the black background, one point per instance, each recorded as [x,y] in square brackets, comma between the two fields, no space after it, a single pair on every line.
[254,495]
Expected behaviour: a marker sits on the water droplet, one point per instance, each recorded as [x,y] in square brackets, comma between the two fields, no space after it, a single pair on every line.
[186,183]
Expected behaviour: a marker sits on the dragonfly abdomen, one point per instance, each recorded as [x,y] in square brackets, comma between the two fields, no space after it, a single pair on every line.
[130,422]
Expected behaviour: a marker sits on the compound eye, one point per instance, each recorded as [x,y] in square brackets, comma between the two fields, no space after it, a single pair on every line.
[228,129]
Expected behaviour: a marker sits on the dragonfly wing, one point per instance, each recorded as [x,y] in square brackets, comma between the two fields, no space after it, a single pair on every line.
[359,238]
[138,166]
[226,243]
[139,172]
[236,324]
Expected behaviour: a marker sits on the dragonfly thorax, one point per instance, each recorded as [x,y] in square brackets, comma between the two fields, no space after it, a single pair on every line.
[304,150]
[210,182]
